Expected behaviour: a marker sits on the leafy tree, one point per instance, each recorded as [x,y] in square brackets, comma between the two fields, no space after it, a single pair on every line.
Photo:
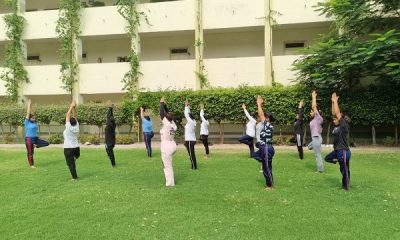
[363,46]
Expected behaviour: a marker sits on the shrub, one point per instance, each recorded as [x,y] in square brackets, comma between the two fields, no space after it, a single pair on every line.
[388,141]
[56,139]
[92,139]
[124,139]
[8,138]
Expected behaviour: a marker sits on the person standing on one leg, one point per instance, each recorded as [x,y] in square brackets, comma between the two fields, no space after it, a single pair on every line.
[316,131]
[250,131]
[168,145]
[31,134]
[341,151]
[267,150]
[190,135]
[110,135]
[204,130]
[298,129]
[71,144]
[148,134]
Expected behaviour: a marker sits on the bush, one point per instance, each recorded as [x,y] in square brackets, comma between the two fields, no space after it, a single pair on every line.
[389,141]
[92,139]
[124,139]
[56,139]
[8,138]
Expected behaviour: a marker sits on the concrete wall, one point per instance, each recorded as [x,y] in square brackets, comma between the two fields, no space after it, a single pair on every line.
[282,69]
[234,44]
[107,49]
[47,50]
[296,11]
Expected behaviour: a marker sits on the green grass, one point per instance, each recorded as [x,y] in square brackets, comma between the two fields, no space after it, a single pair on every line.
[224,199]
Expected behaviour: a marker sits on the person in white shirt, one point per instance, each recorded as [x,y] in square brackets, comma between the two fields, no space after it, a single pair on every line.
[71,144]
[204,130]
[190,135]
[250,131]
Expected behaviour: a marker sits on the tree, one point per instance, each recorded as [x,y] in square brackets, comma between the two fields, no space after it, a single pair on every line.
[355,50]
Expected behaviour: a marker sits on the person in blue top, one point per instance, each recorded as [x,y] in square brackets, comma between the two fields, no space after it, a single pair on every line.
[147,126]
[31,134]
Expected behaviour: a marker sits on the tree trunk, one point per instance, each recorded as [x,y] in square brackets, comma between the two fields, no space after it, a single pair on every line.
[373,135]
[395,134]
[48,129]
[221,133]
[280,134]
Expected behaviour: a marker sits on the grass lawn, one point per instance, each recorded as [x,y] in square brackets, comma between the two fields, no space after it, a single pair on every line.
[224,199]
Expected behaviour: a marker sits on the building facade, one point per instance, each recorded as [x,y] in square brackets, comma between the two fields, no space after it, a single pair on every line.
[243,44]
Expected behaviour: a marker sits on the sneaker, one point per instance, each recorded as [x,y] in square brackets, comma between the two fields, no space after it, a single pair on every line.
[32,166]
[268,189]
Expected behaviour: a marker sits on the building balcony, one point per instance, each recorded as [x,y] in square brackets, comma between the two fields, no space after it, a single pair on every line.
[44,80]
[232,14]
[233,72]
[282,66]
[297,12]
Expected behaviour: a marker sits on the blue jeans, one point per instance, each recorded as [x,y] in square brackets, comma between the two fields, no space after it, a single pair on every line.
[343,157]
[268,153]
[147,140]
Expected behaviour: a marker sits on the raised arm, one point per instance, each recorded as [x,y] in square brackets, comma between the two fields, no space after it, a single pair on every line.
[247,114]
[259,108]
[300,109]
[75,112]
[68,115]
[110,114]
[187,111]
[28,109]
[314,101]
[141,112]
[335,106]
[202,113]
[163,108]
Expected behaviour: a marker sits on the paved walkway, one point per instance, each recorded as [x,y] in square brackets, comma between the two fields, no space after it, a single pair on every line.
[220,147]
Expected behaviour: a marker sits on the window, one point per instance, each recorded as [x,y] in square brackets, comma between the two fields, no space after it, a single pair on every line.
[34,58]
[179,53]
[292,48]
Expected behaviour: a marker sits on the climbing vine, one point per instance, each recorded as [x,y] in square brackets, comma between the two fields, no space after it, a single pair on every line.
[199,44]
[14,72]
[128,10]
[68,30]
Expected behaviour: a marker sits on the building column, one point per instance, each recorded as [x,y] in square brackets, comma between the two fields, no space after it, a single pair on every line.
[76,55]
[21,7]
[268,44]
[199,42]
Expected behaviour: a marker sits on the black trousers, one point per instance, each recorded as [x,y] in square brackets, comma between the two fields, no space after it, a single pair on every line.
[246,139]
[192,155]
[71,155]
[204,140]
[110,153]
[299,144]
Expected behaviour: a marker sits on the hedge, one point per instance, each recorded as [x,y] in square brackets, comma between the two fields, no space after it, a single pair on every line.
[368,106]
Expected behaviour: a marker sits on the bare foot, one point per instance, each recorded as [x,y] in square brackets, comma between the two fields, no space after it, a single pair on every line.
[33,166]
[268,189]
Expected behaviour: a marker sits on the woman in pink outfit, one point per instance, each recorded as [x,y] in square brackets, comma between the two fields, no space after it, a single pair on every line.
[168,145]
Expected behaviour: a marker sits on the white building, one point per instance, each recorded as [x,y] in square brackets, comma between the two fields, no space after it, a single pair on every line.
[238,47]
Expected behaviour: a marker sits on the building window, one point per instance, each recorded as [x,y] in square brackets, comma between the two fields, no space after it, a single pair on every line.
[34,58]
[179,53]
[292,48]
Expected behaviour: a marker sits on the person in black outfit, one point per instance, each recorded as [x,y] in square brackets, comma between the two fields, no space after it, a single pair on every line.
[341,151]
[298,130]
[110,135]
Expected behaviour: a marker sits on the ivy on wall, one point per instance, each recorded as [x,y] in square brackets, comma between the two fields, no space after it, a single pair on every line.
[199,45]
[128,10]
[14,72]
[68,30]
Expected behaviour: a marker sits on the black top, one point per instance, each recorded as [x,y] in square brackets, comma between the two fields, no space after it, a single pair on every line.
[266,133]
[110,128]
[340,135]
[298,124]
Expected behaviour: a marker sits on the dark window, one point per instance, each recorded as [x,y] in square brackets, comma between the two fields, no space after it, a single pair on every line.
[294,45]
